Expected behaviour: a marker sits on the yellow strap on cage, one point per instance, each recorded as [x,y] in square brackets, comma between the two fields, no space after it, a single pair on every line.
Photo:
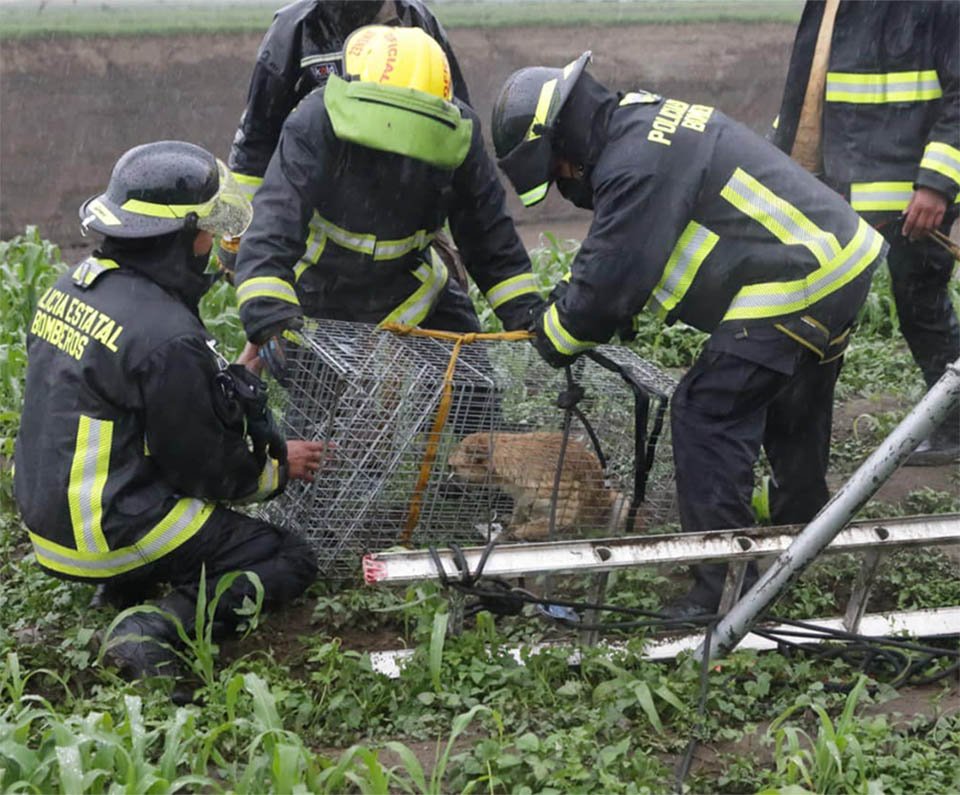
[443,410]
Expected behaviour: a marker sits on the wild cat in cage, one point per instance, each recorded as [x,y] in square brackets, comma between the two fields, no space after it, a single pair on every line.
[524,466]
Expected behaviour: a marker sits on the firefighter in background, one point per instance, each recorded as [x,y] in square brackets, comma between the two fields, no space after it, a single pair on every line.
[872,106]
[302,48]
[365,173]
[699,220]
[134,430]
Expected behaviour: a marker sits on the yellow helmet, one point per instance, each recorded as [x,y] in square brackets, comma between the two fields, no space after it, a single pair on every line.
[401,57]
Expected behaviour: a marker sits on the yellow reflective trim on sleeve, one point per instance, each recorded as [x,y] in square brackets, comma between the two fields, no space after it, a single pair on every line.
[180,524]
[247,183]
[266,287]
[942,158]
[534,195]
[561,339]
[88,476]
[784,221]
[866,196]
[547,90]
[414,310]
[774,299]
[692,248]
[267,483]
[776,122]
[852,87]
[511,288]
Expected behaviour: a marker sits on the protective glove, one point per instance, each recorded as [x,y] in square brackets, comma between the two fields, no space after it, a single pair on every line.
[545,348]
[273,349]
[227,250]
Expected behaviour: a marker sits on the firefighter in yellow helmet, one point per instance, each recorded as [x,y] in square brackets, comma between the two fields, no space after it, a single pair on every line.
[366,171]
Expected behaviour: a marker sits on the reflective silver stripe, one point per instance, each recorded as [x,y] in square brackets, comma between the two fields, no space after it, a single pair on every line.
[413,311]
[328,57]
[878,88]
[123,559]
[559,337]
[364,243]
[394,249]
[880,195]
[778,216]
[267,287]
[87,489]
[692,248]
[819,284]
[511,288]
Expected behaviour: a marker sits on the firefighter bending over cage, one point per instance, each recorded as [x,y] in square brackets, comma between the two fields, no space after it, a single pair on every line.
[302,48]
[699,220]
[134,430]
[876,115]
[366,170]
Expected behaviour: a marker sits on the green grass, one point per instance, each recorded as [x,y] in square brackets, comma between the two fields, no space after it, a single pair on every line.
[116,18]
[464,716]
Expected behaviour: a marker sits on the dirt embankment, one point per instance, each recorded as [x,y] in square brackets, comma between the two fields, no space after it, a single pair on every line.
[70,106]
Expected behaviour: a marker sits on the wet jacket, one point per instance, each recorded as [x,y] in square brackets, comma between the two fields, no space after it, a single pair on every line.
[343,230]
[891,113]
[698,219]
[302,48]
[126,443]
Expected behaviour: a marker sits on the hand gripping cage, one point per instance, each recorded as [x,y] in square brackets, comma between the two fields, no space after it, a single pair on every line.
[398,475]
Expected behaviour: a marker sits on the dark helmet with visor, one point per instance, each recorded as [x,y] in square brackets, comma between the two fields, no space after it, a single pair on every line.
[523,124]
[162,187]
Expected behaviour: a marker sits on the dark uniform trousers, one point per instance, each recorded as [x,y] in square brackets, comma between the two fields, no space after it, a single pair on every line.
[229,541]
[919,274]
[725,409]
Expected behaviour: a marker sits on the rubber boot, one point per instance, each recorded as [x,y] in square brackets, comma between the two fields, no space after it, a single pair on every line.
[941,447]
[152,638]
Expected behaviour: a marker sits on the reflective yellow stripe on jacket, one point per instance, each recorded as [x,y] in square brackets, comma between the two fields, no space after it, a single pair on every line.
[866,196]
[880,88]
[511,288]
[266,287]
[178,526]
[92,557]
[837,266]
[248,184]
[692,248]
[414,310]
[943,159]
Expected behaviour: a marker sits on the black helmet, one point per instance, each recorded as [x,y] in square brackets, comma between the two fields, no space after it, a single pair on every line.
[157,188]
[523,117]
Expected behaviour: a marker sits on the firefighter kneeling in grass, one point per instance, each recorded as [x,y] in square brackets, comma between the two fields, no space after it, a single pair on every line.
[699,220]
[134,429]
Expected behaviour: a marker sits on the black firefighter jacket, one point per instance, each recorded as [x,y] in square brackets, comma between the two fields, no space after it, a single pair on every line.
[342,230]
[891,112]
[698,219]
[302,48]
[124,445]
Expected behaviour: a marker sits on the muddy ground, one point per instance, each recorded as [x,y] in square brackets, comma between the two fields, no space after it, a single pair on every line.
[70,106]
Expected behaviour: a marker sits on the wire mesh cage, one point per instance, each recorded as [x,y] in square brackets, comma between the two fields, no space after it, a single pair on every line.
[500,463]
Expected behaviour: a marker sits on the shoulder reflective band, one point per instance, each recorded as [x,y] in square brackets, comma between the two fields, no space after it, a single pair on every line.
[183,521]
[773,299]
[88,476]
[87,271]
[561,339]
[547,92]
[880,88]
[266,287]
[248,184]
[692,248]
[511,288]
[866,196]
[942,158]
[415,309]
[784,221]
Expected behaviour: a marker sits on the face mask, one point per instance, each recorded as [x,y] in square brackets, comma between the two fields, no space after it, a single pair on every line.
[577,191]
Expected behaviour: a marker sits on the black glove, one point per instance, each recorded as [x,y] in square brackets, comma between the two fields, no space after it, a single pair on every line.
[243,392]
[273,350]
[545,348]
